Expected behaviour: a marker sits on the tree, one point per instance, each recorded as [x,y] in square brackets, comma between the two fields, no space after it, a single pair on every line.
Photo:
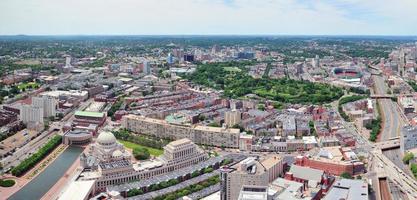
[261,107]
[195,174]
[346,175]
[208,170]
[407,157]
[141,153]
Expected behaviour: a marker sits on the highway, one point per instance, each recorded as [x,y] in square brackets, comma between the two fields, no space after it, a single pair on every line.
[393,121]
[390,111]
[402,180]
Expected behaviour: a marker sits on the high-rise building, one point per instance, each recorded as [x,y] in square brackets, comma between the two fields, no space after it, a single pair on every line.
[189,58]
[215,49]
[68,61]
[31,114]
[415,52]
[146,67]
[178,53]
[316,61]
[48,105]
[232,118]
[252,171]
[170,59]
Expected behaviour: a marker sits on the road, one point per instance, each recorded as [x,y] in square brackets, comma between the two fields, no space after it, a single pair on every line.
[31,147]
[25,151]
[401,180]
[393,120]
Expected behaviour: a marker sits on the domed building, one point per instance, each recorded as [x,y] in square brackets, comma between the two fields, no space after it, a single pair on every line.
[108,163]
[105,149]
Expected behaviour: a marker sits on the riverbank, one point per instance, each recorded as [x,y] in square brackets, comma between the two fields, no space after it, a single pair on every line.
[45,180]
[45,162]
[63,182]
[31,174]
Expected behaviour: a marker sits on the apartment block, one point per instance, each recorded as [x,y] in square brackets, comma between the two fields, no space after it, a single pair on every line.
[213,136]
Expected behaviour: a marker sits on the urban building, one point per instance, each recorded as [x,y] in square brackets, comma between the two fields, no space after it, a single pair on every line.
[108,163]
[333,160]
[31,114]
[146,68]
[408,138]
[252,171]
[189,58]
[232,118]
[48,104]
[77,137]
[213,136]
[7,117]
[253,193]
[314,183]
[348,189]
[87,118]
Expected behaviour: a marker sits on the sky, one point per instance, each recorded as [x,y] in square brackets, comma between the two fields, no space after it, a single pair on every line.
[208,17]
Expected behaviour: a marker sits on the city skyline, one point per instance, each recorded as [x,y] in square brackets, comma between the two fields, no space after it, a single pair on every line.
[202,17]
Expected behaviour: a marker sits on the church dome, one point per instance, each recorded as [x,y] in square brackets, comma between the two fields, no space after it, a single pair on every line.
[106,138]
[117,153]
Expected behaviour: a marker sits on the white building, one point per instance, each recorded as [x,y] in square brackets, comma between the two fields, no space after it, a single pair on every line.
[250,172]
[108,162]
[48,104]
[232,118]
[31,114]
[253,193]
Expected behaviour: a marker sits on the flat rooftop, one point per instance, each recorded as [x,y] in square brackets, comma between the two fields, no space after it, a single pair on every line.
[77,190]
[89,114]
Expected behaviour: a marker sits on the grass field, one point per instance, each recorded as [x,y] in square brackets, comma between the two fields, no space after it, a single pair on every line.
[131,145]
[26,85]
[232,69]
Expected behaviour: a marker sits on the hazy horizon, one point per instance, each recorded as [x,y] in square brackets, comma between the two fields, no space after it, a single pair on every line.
[209,17]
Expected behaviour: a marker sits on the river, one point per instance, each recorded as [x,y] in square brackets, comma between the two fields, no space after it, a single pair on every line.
[41,184]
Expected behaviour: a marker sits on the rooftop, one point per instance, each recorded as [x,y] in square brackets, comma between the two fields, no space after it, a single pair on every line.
[77,190]
[89,114]
[348,189]
[306,173]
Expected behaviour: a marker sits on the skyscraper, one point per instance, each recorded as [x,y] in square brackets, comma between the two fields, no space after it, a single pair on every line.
[189,58]
[146,67]
[170,59]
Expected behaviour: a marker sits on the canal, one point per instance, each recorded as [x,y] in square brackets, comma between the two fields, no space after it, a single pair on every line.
[40,185]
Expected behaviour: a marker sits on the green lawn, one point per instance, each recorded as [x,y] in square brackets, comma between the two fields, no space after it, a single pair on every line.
[232,69]
[131,145]
[26,85]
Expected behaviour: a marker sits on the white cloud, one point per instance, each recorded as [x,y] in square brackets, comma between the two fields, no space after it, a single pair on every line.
[381,17]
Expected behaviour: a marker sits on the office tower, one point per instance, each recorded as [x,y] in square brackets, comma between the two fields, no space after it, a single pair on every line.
[189,58]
